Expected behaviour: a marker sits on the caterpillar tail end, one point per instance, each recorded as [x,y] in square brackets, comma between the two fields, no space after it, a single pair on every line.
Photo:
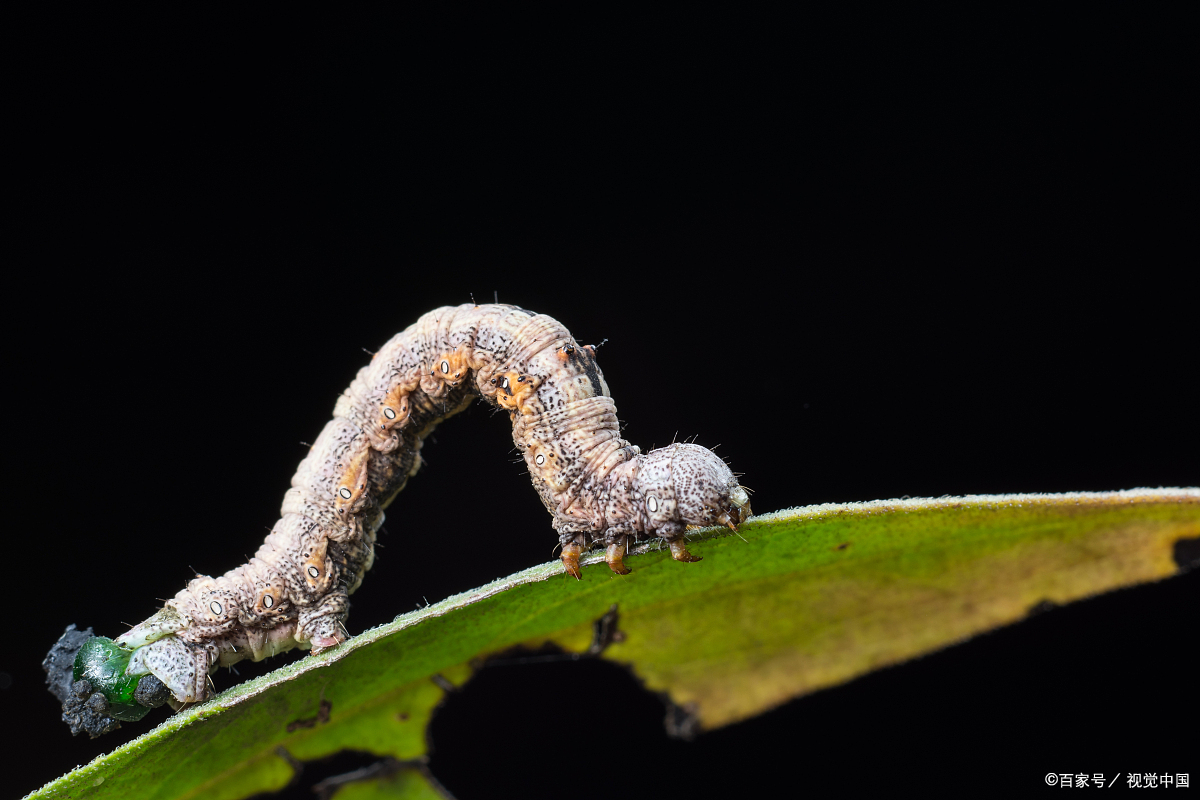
[86,673]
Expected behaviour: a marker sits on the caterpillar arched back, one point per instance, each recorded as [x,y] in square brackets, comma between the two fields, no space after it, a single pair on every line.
[598,488]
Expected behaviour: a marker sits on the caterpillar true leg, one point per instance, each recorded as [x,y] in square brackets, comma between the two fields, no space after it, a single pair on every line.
[294,592]
[570,559]
[679,551]
[614,555]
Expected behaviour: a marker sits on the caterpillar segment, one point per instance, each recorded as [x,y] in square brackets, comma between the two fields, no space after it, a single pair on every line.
[599,489]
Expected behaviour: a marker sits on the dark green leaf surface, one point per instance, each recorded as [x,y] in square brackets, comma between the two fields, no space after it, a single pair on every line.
[800,600]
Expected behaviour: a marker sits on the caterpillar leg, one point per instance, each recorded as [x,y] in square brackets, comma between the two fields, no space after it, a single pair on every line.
[571,551]
[673,533]
[183,668]
[164,622]
[614,555]
[679,551]
[324,624]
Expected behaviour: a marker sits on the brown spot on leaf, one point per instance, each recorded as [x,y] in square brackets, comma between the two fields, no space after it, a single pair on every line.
[311,722]
[604,632]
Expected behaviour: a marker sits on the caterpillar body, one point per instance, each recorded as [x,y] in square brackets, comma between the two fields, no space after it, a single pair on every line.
[598,488]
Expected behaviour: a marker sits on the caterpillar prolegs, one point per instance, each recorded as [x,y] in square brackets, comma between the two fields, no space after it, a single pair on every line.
[598,488]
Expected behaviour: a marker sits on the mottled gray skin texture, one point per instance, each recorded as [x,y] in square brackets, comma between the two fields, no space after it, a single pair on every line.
[597,487]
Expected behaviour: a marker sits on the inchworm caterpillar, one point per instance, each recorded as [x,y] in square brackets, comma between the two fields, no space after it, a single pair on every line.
[294,592]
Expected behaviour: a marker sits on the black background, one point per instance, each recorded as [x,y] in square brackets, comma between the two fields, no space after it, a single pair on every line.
[874,257]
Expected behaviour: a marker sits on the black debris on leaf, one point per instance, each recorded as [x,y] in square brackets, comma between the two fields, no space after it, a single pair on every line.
[88,711]
[60,662]
[151,692]
[83,709]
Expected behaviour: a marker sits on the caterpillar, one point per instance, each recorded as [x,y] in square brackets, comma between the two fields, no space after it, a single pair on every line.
[294,592]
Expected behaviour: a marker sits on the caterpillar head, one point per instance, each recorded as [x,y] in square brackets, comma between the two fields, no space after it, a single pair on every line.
[686,484]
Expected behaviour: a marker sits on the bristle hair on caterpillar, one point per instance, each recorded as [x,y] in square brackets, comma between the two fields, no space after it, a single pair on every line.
[294,591]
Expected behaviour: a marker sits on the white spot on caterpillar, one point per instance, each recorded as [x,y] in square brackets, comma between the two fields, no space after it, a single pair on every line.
[215,607]
[314,572]
[445,367]
[652,503]
[268,601]
[387,412]
[345,493]
[540,460]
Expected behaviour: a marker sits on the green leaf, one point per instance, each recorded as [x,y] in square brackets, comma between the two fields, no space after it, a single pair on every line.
[799,600]
[102,662]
